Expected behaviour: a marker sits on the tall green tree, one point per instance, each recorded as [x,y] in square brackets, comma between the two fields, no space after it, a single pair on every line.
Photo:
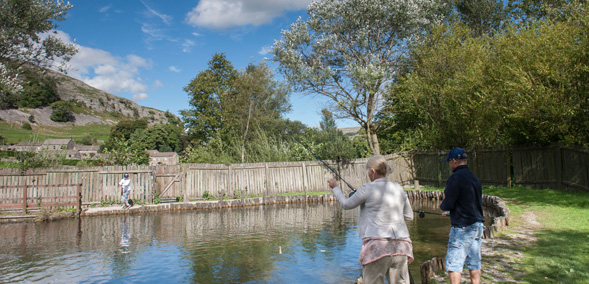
[482,16]
[38,90]
[25,38]
[209,93]
[161,137]
[525,85]
[123,131]
[332,143]
[227,106]
[257,97]
[349,50]
[125,153]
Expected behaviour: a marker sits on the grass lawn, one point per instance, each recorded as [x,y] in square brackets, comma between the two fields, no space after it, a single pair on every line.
[561,254]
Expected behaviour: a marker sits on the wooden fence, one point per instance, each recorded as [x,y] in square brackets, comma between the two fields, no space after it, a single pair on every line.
[28,197]
[98,184]
[555,166]
[538,167]
[192,181]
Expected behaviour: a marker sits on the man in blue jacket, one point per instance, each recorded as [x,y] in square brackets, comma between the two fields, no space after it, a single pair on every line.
[463,201]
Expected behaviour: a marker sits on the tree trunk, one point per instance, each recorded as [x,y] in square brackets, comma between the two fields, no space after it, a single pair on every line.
[372,139]
[247,127]
[375,145]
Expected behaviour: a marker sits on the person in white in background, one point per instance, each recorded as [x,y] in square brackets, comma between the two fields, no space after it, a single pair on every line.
[125,183]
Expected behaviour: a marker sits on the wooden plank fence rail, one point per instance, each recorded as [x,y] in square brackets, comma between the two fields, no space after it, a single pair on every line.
[38,196]
[555,166]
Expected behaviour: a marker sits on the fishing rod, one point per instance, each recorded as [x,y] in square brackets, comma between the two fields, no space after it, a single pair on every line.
[422,213]
[326,165]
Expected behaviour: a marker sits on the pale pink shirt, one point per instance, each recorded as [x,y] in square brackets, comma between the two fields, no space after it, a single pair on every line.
[375,249]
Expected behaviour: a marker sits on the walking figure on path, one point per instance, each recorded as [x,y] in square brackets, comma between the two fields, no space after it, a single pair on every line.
[125,183]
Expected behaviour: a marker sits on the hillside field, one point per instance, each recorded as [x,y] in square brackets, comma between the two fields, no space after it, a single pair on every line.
[13,133]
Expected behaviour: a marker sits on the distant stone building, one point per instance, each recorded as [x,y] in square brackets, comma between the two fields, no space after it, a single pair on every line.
[26,147]
[68,154]
[59,144]
[163,158]
[87,152]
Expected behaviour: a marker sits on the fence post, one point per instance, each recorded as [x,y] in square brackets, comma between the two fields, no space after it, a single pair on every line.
[558,164]
[229,182]
[79,199]
[267,193]
[305,180]
[24,205]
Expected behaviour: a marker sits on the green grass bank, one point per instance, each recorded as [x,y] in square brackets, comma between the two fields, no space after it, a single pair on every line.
[561,253]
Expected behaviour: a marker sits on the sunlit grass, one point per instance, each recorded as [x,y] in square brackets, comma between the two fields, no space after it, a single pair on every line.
[13,133]
[561,253]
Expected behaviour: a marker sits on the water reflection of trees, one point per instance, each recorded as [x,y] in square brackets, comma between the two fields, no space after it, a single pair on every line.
[240,245]
[215,246]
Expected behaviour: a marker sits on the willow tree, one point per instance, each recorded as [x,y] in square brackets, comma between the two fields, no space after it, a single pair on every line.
[348,51]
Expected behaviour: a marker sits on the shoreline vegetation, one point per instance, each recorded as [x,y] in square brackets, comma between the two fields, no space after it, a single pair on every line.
[547,240]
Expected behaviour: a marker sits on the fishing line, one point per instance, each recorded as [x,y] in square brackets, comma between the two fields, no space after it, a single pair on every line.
[326,165]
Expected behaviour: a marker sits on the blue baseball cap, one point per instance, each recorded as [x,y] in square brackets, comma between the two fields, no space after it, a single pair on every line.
[456,154]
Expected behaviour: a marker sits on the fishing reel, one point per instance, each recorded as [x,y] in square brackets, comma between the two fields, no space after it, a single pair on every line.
[422,213]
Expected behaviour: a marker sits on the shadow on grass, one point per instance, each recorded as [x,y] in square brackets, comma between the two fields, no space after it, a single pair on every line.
[540,197]
[558,257]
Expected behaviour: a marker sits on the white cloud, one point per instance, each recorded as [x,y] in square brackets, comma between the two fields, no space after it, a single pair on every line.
[152,28]
[196,34]
[174,69]
[140,97]
[265,50]
[167,19]
[153,32]
[221,14]
[138,61]
[187,45]
[102,70]
[105,9]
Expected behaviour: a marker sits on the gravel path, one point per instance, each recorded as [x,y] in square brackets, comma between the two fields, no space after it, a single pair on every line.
[501,256]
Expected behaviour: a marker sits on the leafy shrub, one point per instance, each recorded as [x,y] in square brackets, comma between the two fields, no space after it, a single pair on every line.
[27,126]
[62,112]
[38,90]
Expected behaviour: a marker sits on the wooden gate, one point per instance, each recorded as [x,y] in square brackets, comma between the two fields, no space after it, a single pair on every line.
[168,183]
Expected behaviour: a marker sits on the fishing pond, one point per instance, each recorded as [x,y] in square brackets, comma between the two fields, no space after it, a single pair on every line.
[286,243]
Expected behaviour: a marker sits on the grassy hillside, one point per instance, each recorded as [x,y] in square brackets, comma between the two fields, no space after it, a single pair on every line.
[13,133]
[95,113]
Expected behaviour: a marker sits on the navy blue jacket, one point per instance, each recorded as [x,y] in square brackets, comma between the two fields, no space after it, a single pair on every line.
[463,197]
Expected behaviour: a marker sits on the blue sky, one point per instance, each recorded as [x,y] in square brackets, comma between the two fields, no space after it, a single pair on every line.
[149,50]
